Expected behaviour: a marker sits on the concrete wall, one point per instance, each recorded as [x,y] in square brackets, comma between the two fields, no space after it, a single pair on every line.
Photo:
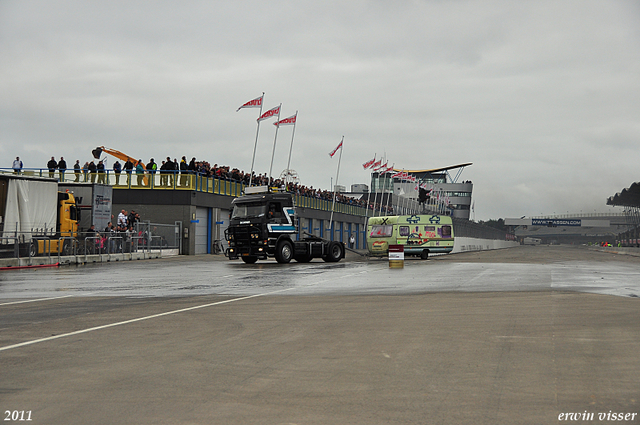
[463,244]
[635,252]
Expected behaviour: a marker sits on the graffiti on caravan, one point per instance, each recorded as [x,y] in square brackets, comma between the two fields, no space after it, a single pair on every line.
[555,222]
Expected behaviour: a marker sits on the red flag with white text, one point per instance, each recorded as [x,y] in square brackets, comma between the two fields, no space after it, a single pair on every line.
[286,121]
[388,170]
[369,163]
[255,103]
[270,113]
[333,152]
[380,167]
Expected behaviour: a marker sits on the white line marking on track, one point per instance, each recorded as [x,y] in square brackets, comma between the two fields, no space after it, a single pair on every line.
[35,300]
[139,319]
[153,316]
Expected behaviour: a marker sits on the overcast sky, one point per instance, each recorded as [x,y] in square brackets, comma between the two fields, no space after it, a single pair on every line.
[543,97]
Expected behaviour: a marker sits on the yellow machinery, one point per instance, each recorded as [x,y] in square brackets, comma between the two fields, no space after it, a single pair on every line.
[97,152]
[66,227]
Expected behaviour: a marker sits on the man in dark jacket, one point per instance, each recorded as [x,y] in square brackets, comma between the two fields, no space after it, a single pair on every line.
[62,167]
[151,169]
[52,165]
[100,169]
[117,169]
[183,171]
[163,174]
[76,170]
[92,171]
[128,168]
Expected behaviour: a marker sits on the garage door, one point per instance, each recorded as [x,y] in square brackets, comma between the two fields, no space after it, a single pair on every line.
[202,237]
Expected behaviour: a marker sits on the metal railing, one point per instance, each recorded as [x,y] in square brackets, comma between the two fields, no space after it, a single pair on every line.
[175,180]
[39,246]
[579,215]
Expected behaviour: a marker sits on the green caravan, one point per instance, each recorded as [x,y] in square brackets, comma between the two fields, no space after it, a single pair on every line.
[420,234]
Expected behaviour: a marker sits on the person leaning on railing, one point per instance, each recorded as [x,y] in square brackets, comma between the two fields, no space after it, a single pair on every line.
[62,167]
[140,172]
[92,170]
[128,167]
[117,169]
[100,169]
[52,165]
[76,170]
[17,165]
[91,238]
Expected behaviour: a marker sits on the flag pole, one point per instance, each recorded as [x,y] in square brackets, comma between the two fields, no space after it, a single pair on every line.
[404,201]
[371,187]
[366,211]
[255,145]
[291,148]
[400,197]
[390,199]
[381,186]
[379,179]
[334,189]
[274,144]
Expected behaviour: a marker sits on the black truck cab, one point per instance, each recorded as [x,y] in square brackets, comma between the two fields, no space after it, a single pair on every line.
[263,224]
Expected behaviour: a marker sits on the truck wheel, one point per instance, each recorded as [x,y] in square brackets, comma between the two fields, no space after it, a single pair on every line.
[424,254]
[284,252]
[250,260]
[334,253]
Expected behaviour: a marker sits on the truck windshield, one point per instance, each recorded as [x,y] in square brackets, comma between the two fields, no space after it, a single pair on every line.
[247,210]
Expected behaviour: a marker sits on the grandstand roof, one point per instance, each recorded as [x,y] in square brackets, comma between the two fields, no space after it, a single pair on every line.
[435,170]
[629,197]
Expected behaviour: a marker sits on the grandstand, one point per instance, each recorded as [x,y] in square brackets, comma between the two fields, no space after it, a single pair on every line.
[629,200]
[580,228]
[447,195]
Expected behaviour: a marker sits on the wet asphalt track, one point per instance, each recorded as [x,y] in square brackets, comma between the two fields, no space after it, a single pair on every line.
[517,336]
[208,275]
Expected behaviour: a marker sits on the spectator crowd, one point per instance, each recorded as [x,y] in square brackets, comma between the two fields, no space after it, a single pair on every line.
[174,172]
[121,237]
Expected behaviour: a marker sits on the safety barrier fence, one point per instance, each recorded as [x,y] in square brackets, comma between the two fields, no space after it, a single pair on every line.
[26,246]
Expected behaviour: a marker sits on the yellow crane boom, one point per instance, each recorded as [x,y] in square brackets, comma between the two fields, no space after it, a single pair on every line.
[100,149]
[97,152]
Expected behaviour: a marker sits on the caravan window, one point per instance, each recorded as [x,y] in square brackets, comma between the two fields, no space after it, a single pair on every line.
[404,231]
[446,231]
[381,231]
